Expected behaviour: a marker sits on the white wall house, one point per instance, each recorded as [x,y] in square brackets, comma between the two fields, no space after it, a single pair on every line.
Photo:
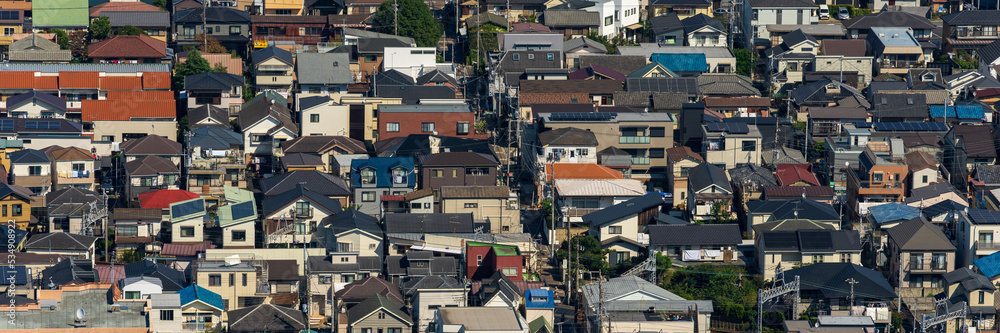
[759,13]
[409,60]
[323,116]
[426,301]
[141,287]
[615,16]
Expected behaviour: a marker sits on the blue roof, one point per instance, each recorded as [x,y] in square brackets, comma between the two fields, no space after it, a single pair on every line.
[196,293]
[532,294]
[962,111]
[893,211]
[383,170]
[20,274]
[682,62]
[989,265]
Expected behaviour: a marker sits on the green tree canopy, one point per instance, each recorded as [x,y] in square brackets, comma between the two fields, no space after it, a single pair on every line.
[62,38]
[744,61]
[160,3]
[129,30]
[100,29]
[415,20]
[195,64]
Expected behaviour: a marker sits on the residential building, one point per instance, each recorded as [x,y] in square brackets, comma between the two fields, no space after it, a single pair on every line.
[918,255]
[292,216]
[708,186]
[72,167]
[428,293]
[484,260]
[470,319]
[703,30]
[845,55]
[218,162]
[150,173]
[628,299]
[879,178]
[341,287]
[796,175]
[894,49]
[67,244]
[766,211]
[376,177]
[152,145]
[448,120]
[238,283]
[67,207]
[155,23]
[187,221]
[969,30]
[129,49]
[683,8]
[379,313]
[265,125]
[165,314]
[230,26]
[974,289]
[829,283]
[577,197]
[680,161]
[323,183]
[496,205]
[974,234]
[274,69]
[325,73]
[760,13]
[36,104]
[237,220]
[266,317]
[567,145]
[270,29]
[574,24]
[137,227]
[32,170]
[858,27]
[352,231]
[789,60]
[696,242]
[35,48]
[779,251]
[923,169]
[221,90]
[620,228]
[730,144]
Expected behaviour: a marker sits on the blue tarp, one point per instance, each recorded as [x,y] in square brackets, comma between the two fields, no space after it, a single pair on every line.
[682,62]
[958,111]
[893,211]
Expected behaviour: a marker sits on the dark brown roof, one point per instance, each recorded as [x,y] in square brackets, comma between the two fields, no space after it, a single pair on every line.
[682,152]
[491,192]
[150,165]
[567,136]
[71,154]
[278,270]
[151,145]
[978,139]
[598,87]
[844,47]
[424,192]
[321,144]
[360,290]
[288,19]
[918,160]
[723,102]
[777,192]
[458,158]
[135,214]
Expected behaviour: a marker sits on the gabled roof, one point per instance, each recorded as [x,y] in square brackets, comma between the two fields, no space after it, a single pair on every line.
[272,316]
[383,170]
[615,62]
[694,234]
[196,293]
[323,68]
[781,3]
[138,46]
[264,54]
[360,290]
[888,19]
[809,241]
[34,95]
[216,138]
[990,52]
[971,281]
[37,48]
[457,159]
[567,136]
[436,76]
[28,156]
[151,145]
[212,81]
[141,19]
[106,8]
[351,219]
[650,67]
[321,144]
[726,84]
[793,225]
[172,279]
[60,241]
[931,191]
[483,192]
[71,195]
[213,15]
[440,223]
[918,234]
[683,152]
[581,171]
[972,17]
[705,175]
[559,18]
[830,280]
[150,166]
[789,174]
[700,21]
[979,140]
[375,303]
[279,200]
[593,71]
[260,108]
[682,62]
[665,23]
[599,188]
[70,270]
[787,209]
[163,198]
[619,287]
[301,159]
[71,154]
[624,209]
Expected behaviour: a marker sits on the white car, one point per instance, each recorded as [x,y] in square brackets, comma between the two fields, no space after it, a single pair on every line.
[843,14]
[824,13]
[721,11]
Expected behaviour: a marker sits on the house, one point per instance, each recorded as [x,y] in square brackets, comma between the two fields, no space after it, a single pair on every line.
[165,314]
[135,227]
[572,23]
[67,244]
[128,49]
[965,156]
[228,25]
[354,293]
[72,167]
[975,289]
[919,254]
[730,144]
[708,186]
[155,23]
[428,293]
[222,90]
[620,228]
[880,177]
[484,260]
[238,283]
[796,175]
[470,319]
[667,29]
[237,220]
[579,46]
[137,288]
[325,184]
[292,216]
[328,148]
[65,14]
[217,162]
[847,55]
[32,170]
[401,227]
[496,205]
[36,104]
[975,232]
[233,65]
[682,8]
[790,59]
[779,251]
[567,145]
[680,161]
[265,125]
[627,299]
[70,270]
[581,197]
[455,168]
[270,29]
[265,317]
[152,145]
[352,231]
[402,120]
[895,49]
[67,209]
[171,280]
[187,221]
[618,18]
[765,12]
[200,308]
[36,48]
[696,242]
[703,30]
[858,27]
[969,31]
[325,73]
[150,173]
[766,211]
[376,177]
[899,107]
[274,69]
[829,121]
[829,283]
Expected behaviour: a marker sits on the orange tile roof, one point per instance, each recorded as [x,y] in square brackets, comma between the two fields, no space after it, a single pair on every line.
[129,47]
[124,110]
[142,95]
[13,5]
[88,80]
[582,171]
[115,6]
[156,80]
[47,82]
[121,83]
[17,80]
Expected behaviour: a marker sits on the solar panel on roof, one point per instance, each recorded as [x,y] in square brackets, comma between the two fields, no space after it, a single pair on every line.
[816,240]
[9,15]
[242,210]
[187,208]
[731,128]
[584,116]
[780,240]
[7,125]
[982,216]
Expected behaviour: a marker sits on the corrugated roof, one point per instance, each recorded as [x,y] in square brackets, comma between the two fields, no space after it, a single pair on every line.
[494,192]
[599,187]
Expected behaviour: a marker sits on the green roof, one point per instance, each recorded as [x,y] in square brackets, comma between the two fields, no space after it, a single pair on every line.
[236,194]
[535,325]
[60,13]
[5,143]
[270,94]
[501,250]
[248,212]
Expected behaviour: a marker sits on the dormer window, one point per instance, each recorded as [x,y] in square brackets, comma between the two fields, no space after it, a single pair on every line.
[367,176]
[399,176]
[927,77]
[516,57]
[531,56]
[909,101]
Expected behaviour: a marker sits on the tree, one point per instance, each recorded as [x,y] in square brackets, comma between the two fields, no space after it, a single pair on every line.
[591,254]
[78,44]
[744,62]
[213,45]
[160,3]
[721,213]
[733,292]
[219,68]
[195,64]
[100,28]
[62,38]
[129,30]
[415,20]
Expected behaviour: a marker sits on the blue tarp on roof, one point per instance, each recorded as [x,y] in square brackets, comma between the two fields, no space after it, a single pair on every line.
[196,293]
[682,62]
[989,265]
[893,211]
[962,111]
[539,298]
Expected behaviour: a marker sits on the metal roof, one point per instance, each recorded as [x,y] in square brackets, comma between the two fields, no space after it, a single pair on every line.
[83,67]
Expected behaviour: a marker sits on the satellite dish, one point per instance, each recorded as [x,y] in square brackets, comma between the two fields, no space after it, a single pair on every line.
[80,314]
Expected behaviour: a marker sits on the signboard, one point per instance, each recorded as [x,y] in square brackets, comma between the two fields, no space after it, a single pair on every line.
[259,44]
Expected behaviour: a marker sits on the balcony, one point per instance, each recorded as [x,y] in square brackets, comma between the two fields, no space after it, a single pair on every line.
[977,32]
[928,266]
[633,139]
[303,213]
[640,160]
[74,104]
[989,247]
[273,68]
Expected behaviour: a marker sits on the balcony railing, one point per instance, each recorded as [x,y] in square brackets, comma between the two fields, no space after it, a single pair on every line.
[971,33]
[303,213]
[640,161]
[633,139]
[928,265]
[991,246]
[196,326]
[74,174]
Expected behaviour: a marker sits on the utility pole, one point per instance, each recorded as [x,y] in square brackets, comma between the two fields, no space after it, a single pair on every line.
[204,25]
[852,281]
[395,16]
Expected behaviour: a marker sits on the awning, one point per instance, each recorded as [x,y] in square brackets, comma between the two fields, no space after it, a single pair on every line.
[634,26]
[435,249]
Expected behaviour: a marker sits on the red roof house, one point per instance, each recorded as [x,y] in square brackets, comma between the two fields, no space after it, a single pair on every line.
[141,48]
[796,175]
[163,198]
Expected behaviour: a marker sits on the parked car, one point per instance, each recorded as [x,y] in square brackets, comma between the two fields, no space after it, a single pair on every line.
[843,14]
[721,11]
[824,13]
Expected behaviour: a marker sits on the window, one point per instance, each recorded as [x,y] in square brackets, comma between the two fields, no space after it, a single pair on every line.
[471,205]
[463,128]
[78,167]
[510,271]
[239,235]
[232,279]
[371,58]
[108,138]
[368,196]
[325,279]
[167,315]
[234,30]
[817,258]
[656,153]
[807,49]
[4,210]
[982,297]
[372,246]
[367,176]
[35,170]
[244,279]
[8,31]
[133,295]
[392,127]
[684,171]
[187,231]
[415,205]
[381,315]
[344,247]
[454,173]
[478,171]
[615,230]
[427,205]
[479,260]
[531,56]
[549,57]
[986,238]
[347,278]
[845,257]
[939,261]
[427,127]
[749,145]
[218,29]
[877,177]
[398,177]
[437,173]
[283,12]
[314,118]
[516,57]
[215,280]
[924,179]
[608,20]
[657,132]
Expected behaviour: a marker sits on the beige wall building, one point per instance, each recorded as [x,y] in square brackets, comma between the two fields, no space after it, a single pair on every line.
[496,204]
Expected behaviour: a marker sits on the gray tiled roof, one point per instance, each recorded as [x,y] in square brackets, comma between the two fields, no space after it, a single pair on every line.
[583,42]
[141,19]
[567,136]
[972,17]
[271,52]
[323,68]
[918,234]
[558,18]
[665,23]
[781,3]
[35,48]
[615,62]
[706,174]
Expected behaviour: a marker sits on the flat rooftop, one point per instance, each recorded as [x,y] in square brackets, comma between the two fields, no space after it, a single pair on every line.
[94,302]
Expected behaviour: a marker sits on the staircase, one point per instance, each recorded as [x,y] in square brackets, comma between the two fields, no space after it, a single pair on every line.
[645,270]
[272,237]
